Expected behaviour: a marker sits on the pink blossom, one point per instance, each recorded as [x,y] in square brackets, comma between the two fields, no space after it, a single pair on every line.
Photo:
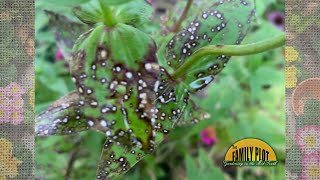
[12,90]
[11,104]
[208,136]
[310,167]
[308,139]
[59,55]
[277,18]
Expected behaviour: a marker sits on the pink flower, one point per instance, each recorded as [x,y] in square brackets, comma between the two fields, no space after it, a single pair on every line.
[308,139]
[59,55]
[208,136]
[277,18]
[11,104]
[310,167]
[12,90]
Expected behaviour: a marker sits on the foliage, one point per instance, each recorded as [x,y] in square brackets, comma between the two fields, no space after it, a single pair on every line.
[241,101]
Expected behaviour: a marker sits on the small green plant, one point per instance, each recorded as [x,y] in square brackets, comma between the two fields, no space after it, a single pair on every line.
[136,93]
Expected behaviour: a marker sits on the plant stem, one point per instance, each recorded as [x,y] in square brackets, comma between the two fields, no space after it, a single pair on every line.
[230,50]
[72,159]
[177,26]
[108,18]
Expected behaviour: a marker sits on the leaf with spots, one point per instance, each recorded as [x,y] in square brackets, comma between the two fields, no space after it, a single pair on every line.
[226,22]
[193,114]
[116,73]
[64,117]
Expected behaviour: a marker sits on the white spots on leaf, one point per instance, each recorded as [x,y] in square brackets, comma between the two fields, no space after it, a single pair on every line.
[117,69]
[80,90]
[148,66]
[83,76]
[103,54]
[94,67]
[103,123]
[108,133]
[113,84]
[114,109]
[103,80]
[129,75]
[201,82]
[94,103]
[204,15]
[184,50]
[105,109]
[81,102]
[65,120]
[90,123]
[156,86]
[89,91]
[206,116]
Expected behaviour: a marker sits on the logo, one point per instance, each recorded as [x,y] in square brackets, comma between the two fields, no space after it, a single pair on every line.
[250,152]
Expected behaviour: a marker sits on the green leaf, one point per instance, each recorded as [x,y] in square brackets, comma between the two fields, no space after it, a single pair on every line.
[223,23]
[192,171]
[64,117]
[131,12]
[261,6]
[135,13]
[67,3]
[205,170]
[89,13]
[114,2]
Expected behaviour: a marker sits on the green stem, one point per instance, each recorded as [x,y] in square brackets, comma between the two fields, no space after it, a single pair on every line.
[230,50]
[108,18]
[177,26]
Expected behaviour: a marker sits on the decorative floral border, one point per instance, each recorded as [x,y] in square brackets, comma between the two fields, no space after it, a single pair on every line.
[303,89]
[16,89]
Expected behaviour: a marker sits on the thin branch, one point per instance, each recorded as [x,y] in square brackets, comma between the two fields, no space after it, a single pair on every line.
[230,50]
[177,26]
[109,20]
[72,159]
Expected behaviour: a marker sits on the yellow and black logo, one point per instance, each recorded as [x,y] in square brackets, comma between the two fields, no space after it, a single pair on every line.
[250,152]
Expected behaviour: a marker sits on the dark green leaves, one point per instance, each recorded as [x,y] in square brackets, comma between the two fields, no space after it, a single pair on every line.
[135,13]
[89,13]
[131,12]
[114,2]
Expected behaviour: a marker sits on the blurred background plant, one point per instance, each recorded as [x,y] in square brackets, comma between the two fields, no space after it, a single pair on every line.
[246,100]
